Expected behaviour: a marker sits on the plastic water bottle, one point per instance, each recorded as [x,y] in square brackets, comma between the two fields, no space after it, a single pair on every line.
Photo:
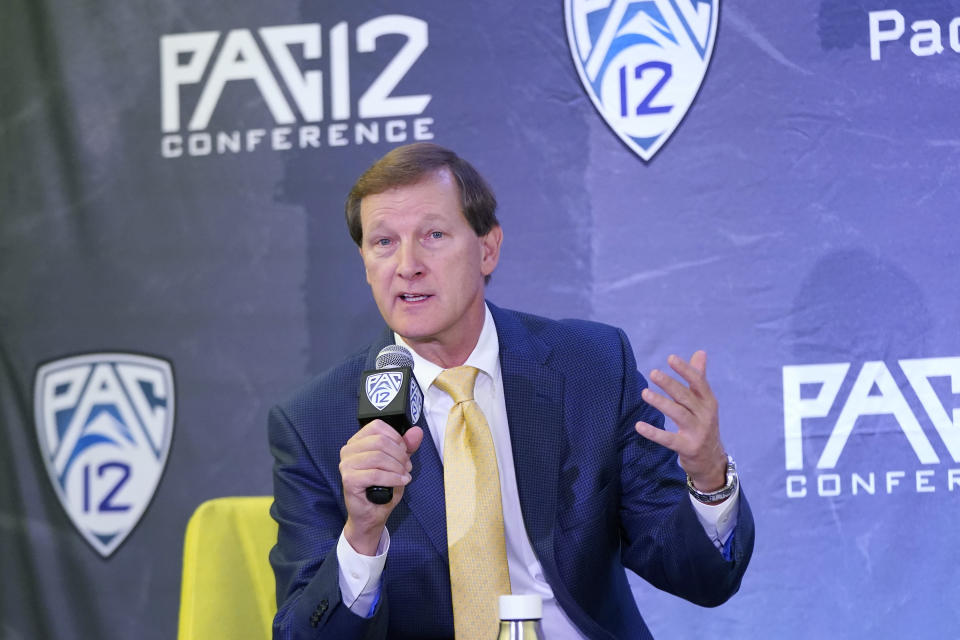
[520,617]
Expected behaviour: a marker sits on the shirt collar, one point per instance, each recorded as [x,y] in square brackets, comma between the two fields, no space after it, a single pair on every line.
[485,356]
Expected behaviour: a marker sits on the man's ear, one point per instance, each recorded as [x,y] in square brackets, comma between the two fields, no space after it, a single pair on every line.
[490,250]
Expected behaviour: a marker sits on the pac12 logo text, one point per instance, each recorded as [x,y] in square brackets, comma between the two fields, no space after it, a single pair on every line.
[104,425]
[303,75]
[893,454]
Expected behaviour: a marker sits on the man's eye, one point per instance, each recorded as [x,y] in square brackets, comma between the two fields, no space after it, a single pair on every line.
[383,242]
[436,235]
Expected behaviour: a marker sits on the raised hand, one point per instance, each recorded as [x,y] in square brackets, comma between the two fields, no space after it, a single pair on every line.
[693,408]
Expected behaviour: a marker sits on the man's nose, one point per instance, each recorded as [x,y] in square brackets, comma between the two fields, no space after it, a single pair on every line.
[410,263]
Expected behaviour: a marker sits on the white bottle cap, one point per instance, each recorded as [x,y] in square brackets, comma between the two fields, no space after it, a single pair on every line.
[521,607]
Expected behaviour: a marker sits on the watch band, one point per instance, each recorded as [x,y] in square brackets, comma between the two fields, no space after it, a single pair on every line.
[720,494]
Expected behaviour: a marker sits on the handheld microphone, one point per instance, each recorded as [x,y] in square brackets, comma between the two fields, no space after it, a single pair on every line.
[389,393]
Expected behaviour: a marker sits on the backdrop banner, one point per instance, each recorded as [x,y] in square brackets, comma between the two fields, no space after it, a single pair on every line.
[772,182]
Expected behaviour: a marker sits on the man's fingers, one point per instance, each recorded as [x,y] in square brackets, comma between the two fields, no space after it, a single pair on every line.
[374,460]
[673,410]
[674,441]
[675,389]
[693,375]
[377,438]
[413,438]
[693,409]
[661,437]
[699,361]
[380,427]
[378,456]
[359,479]
[373,468]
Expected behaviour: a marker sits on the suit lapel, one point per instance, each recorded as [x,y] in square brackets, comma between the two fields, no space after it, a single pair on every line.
[424,495]
[533,394]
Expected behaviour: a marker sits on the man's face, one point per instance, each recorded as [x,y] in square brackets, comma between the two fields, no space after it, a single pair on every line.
[426,266]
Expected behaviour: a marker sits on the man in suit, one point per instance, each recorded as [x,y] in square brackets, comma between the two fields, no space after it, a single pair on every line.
[588,478]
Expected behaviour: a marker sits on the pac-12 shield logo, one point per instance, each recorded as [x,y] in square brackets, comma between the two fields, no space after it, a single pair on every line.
[104,422]
[416,401]
[382,388]
[642,62]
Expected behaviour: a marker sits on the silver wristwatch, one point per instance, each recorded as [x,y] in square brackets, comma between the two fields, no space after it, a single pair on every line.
[723,492]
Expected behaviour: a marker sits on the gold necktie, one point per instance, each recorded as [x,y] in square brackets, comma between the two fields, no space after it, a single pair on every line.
[475,539]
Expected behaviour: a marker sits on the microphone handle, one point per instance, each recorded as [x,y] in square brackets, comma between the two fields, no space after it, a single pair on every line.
[379,495]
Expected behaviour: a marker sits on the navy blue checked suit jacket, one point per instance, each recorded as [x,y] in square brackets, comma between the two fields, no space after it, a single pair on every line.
[595,496]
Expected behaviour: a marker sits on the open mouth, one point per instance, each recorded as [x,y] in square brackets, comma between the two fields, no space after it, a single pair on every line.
[413,297]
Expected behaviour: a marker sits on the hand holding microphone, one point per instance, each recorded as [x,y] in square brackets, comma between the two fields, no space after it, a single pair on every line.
[389,393]
[377,457]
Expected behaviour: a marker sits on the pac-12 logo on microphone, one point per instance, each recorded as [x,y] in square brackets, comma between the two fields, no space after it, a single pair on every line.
[382,388]
[642,62]
[104,423]
[416,401]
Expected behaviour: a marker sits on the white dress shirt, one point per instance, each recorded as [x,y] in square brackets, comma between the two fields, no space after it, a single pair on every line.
[360,574]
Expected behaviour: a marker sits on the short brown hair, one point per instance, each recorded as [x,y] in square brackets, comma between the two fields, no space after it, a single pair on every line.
[411,163]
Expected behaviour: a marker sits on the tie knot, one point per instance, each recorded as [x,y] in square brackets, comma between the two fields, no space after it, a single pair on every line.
[458,382]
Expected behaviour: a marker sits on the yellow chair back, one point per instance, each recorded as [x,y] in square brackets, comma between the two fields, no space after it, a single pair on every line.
[228,589]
